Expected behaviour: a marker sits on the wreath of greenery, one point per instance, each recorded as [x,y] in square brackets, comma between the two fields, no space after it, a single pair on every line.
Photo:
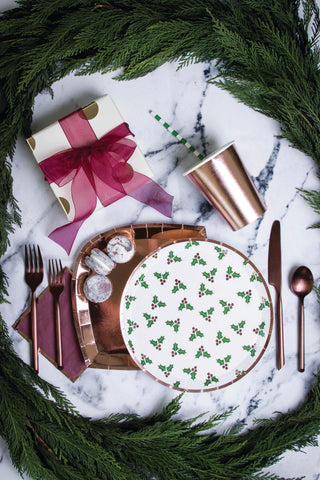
[267,57]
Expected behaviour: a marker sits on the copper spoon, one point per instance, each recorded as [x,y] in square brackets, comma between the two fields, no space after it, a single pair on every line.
[301,285]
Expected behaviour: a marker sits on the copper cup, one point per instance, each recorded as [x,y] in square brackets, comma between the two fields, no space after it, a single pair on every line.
[224,181]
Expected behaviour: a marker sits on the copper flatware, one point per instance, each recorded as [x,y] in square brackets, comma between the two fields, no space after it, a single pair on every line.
[33,278]
[301,285]
[275,279]
[56,286]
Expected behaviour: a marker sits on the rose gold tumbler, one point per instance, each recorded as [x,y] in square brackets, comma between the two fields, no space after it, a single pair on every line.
[225,183]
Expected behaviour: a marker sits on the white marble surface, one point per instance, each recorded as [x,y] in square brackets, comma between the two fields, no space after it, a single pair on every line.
[209,118]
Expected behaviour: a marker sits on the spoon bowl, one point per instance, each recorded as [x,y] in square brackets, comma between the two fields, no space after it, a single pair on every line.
[301,285]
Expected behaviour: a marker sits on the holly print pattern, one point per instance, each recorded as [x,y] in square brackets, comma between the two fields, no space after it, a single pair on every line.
[221,253]
[239,327]
[166,369]
[251,349]
[151,319]
[264,304]
[210,379]
[207,315]
[157,303]
[204,291]
[198,260]
[196,315]
[145,360]
[157,343]
[175,324]
[192,243]
[210,275]
[246,295]
[224,362]
[177,351]
[231,274]
[129,299]
[162,277]
[221,339]
[185,304]
[172,258]
[227,306]
[195,333]
[192,372]
[178,285]
[141,281]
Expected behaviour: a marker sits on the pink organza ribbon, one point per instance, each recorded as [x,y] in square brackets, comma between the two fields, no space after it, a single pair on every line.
[98,169]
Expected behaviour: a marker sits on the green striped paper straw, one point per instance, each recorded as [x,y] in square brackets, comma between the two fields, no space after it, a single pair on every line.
[177,135]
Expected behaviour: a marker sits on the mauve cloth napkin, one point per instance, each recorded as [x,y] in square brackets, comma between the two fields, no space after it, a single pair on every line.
[73,362]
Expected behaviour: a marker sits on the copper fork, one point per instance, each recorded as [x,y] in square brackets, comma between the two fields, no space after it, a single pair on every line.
[33,278]
[56,286]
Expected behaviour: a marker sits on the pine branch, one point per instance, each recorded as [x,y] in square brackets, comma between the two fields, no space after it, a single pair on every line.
[265,58]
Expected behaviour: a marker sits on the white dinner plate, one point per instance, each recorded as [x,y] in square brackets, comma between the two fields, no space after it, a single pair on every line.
[196,315]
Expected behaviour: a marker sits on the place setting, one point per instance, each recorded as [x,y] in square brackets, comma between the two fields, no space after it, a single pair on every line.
[193,313]
[159,277]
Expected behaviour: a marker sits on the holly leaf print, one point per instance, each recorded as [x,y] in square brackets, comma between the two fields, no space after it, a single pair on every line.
[129,300]
[142,282]
[189,244]
[225,306]
[174,324]
[145,360]
[178,350]
[210,379]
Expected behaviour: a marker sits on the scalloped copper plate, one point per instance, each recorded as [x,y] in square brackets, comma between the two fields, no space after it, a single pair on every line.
[98,325]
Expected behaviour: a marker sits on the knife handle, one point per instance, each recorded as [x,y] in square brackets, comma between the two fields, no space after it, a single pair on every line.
[280,339]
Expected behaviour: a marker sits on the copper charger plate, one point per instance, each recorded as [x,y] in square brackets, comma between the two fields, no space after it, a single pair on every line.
[98,325]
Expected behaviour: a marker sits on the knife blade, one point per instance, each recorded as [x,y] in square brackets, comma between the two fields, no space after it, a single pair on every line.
[275,279]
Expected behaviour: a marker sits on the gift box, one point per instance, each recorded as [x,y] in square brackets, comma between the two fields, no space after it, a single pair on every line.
[90,160]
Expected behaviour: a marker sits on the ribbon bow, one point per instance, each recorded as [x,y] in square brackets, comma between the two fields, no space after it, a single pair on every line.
[100,171]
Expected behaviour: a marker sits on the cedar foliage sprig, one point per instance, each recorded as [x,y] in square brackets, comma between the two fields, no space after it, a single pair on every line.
[266,59]
[48,439]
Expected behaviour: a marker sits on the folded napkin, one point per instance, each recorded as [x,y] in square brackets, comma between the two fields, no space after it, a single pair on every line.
[73,362]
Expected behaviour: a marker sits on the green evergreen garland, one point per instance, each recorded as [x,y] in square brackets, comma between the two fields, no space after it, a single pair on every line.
[267,57]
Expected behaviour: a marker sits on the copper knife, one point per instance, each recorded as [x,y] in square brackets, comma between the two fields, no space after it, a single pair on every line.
[275,279]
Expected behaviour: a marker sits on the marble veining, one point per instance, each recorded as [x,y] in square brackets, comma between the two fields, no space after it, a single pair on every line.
[209,118]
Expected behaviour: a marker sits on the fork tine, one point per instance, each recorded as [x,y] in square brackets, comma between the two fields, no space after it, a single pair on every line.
[40,262]
[50,272]
[34,265]
[26,259]
[61,272]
